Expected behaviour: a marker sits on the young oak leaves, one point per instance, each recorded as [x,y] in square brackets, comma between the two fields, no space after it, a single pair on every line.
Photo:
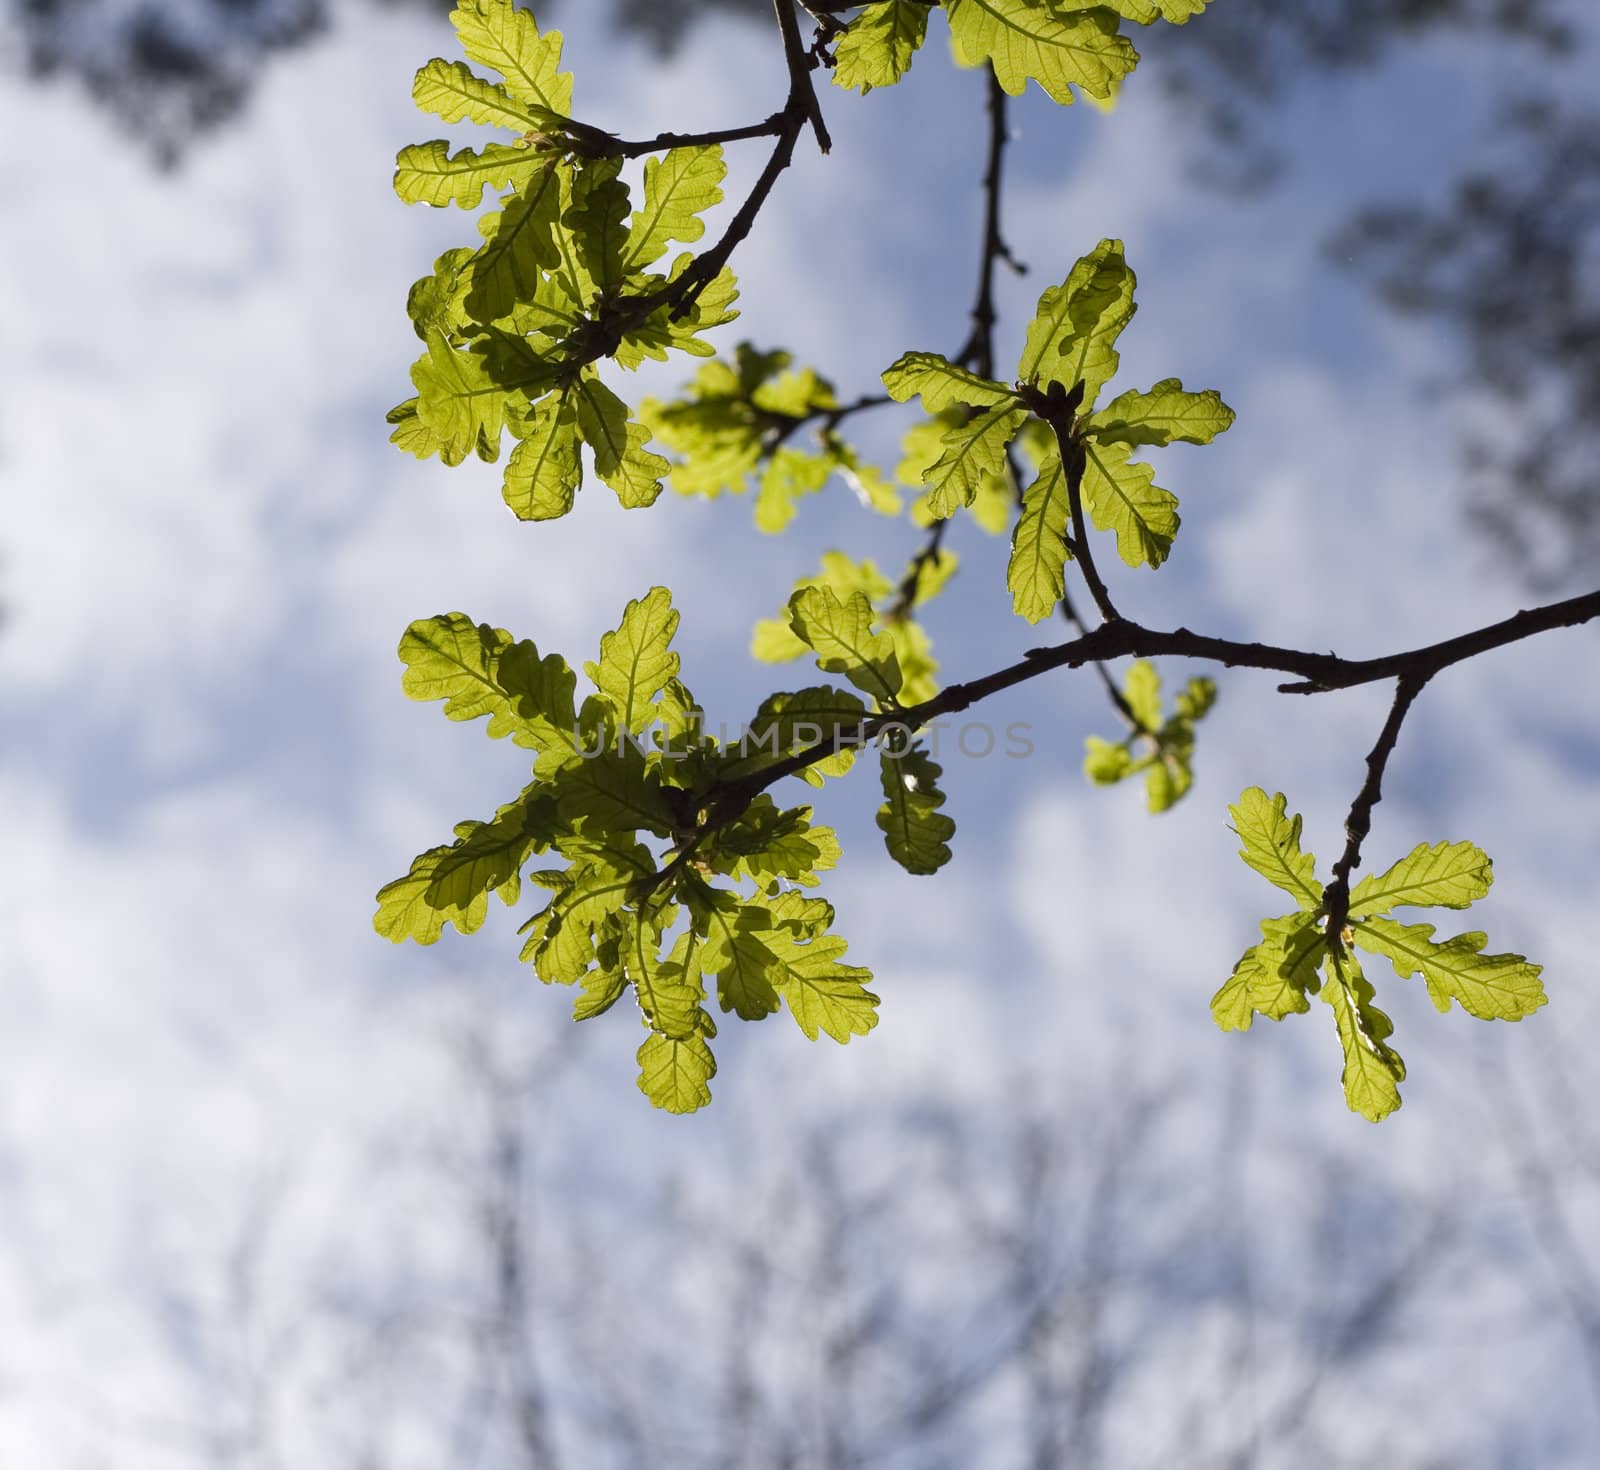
[1071,341]
[563,276]
[628,766]
[776,641]
[1297,959]
[737,420]
[1061,44]
[1161,747]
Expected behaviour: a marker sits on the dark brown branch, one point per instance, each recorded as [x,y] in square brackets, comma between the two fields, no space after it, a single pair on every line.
[1336,897]
[1058,408]
[771,127]
[800,64]
[910,590]
[978,350]
[1113,691]
[1122,638]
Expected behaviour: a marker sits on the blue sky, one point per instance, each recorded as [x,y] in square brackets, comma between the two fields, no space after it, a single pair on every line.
[211,551]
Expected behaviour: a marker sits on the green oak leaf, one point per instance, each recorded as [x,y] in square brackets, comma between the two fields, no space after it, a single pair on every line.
[736,953]
[636,659]
[1036,573]
[481,671]
[823,994]
[1446,875]
[878,47]
[613,789]
[518,247]
[567,936]
[1072,337]
[415,437]
[1271,840]
[487,857]
[496,34]
[1059,47]
[543,472]
[597,220]
[674,1074]
[841,636]
[678,189]
[915,831]
[1167,414]
[620,456]
[453,91]
[787,722]
[1122,496]
[1373,1070]
[1492,987]
[1274,978]
[974,452]
[668,989]
[942,384]
[433,302]
[429,173]
[464,397]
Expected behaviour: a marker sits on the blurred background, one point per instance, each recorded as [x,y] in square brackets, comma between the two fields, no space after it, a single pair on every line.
[275,1194]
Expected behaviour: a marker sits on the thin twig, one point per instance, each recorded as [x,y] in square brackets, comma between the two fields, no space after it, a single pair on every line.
[1336,897]
[771,127]
[800,64]
[1058,408]
[978,350]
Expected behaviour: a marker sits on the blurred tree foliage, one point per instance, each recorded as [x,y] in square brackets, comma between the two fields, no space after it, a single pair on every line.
[1508,261]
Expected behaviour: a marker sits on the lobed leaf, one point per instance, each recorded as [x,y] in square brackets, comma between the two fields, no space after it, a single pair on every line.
[497,34]
[1036,573]
[1072,337]
[942,384]
[453,91]
[1123,497]
[1447,875]
[1059,47]
[429,173]
[1167,414]
[678,189]
[1373,1070]
[915,831]
[1492,987]
[518,247]
[620,456]
[973,453]
[841,636]
[543,473]
[878,47]
[636,659]
[1271,840]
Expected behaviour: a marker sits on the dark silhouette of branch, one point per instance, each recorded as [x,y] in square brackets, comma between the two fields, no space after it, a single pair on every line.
[1336,896]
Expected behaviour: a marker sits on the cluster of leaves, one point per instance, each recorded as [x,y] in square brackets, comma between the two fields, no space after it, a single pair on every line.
[725,901]
[1162,748]
[737,419]
[1298,958]
[565,275]
[1071,341]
